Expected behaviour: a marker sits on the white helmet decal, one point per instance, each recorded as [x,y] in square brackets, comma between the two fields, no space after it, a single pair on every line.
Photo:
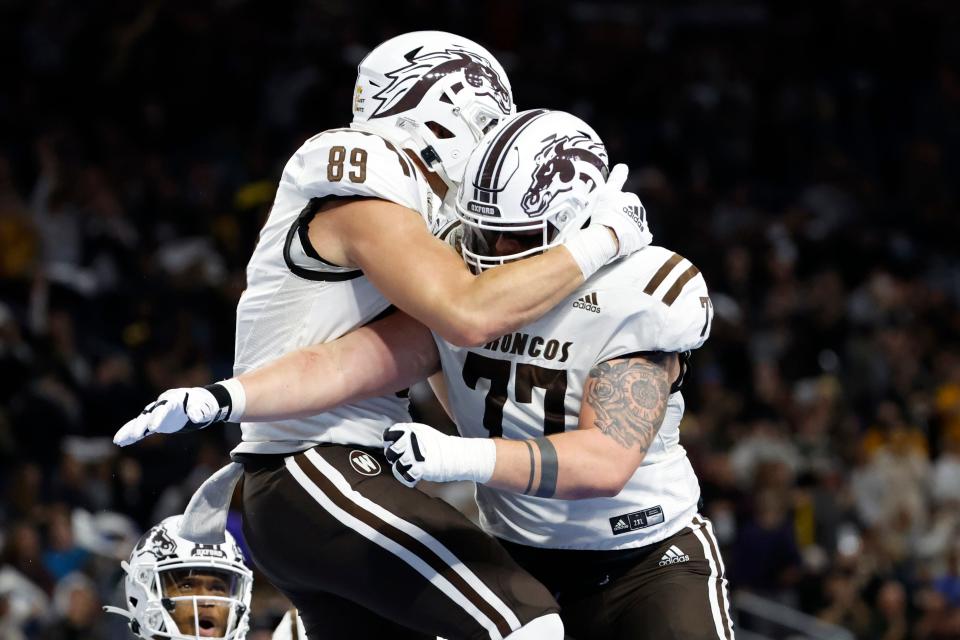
[158,543]
[557,166]
[410,83]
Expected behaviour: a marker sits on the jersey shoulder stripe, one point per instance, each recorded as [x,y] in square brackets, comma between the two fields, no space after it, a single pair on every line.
[668,265]
[668,270]
[671,295]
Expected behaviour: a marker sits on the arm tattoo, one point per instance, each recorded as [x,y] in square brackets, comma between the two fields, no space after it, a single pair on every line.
[629,397]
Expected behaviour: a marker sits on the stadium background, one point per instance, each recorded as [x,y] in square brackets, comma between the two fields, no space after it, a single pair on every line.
[803,155]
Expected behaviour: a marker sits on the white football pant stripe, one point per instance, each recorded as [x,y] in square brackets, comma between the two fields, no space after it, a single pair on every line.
[699,530]
[723,571]
[397,549]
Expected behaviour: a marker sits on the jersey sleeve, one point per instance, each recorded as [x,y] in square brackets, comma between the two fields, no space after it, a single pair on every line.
[636,328]
[673,316]
[342,163]
[347,162]
[687,320]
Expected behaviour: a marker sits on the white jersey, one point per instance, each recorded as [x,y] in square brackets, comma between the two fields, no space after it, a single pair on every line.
[530,383]
[294,298]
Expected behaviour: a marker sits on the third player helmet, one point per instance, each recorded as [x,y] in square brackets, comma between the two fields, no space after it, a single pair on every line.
[185,591]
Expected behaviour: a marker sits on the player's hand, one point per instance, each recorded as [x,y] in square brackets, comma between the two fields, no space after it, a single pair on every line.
[622,212]
[414,451]
[419,452]
[175,410]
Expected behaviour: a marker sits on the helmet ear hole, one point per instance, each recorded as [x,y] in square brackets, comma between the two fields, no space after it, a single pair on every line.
[439,130]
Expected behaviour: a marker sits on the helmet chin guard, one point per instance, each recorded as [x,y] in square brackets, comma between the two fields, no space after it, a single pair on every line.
[435,93]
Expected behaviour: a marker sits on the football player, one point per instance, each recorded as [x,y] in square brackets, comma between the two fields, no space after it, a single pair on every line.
[349,236]
[179,589]
[182,590]
[572,421]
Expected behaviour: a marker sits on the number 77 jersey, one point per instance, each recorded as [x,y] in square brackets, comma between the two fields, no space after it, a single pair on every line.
[530,383]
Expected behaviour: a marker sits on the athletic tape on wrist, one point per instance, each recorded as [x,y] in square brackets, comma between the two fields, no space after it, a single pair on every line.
[471,459]
[232,399]
[591,249]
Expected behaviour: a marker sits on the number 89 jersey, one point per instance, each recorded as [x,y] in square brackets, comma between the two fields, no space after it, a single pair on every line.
[530,383]
[294,298]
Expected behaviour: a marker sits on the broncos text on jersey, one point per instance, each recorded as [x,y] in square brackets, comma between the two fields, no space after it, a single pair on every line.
[530,383]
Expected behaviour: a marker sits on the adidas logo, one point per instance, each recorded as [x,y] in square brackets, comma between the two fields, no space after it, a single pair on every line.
[673,556]
[587,303]
[637,214]
[620,525]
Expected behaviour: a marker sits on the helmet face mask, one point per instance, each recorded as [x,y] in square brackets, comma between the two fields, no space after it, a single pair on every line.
[433,92]
[528,186]
[181,590]
[202,599]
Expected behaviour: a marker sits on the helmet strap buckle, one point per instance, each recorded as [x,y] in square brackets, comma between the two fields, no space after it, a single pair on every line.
[429,155]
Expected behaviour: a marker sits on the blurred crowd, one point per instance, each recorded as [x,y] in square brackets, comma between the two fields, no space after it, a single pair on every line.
[800,154]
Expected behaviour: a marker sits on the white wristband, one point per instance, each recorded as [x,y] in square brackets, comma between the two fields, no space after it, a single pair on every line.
[238,398]
[469,459]
[592,248]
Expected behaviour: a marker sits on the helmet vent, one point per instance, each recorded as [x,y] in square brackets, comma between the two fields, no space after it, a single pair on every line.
[439,130]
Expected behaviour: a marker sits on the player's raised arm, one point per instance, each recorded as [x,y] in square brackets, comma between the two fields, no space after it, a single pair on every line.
[625,400]
[382,357]
[397,253]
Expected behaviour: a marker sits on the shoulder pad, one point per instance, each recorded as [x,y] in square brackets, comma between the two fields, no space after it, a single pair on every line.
[675,285]
[659,300]
[688,317]
[348,162]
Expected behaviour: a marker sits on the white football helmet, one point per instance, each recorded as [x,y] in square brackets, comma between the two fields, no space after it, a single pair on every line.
[178,589]
[435,93]
[532,178]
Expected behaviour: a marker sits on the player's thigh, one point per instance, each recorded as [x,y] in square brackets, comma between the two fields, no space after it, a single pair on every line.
[329,617]
[677,592]
[334,520]
[681,591]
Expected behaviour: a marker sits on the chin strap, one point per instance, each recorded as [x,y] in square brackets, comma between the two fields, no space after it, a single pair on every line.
[120,612]
[131,620]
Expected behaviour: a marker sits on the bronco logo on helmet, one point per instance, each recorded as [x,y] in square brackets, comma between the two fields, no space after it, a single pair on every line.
[556,169]
[161,545]
[410,83]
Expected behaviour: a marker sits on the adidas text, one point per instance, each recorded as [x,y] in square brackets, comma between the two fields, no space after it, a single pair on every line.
[673,556]
[587,303]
